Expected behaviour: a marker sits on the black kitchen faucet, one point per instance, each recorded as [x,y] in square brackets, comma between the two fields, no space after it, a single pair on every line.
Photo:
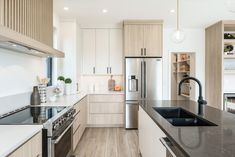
[200,98]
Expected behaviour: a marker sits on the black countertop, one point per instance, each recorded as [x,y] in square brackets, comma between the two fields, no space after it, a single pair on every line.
[199,141]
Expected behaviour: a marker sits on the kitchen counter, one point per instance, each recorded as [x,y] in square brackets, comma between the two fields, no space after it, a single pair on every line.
[13,136]
[203,141]
[66,100]
[105,92]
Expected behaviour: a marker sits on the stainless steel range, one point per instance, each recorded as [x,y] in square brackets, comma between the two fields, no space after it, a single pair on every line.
[57,126]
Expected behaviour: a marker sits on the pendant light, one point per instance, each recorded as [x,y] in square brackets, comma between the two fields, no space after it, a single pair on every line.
[178,36]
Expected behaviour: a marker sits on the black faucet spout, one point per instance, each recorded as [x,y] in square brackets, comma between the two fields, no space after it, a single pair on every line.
[200,98]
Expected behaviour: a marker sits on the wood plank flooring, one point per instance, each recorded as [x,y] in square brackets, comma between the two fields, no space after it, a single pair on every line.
[108,142]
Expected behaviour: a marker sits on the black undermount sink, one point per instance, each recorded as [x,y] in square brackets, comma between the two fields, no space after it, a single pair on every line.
[180,117]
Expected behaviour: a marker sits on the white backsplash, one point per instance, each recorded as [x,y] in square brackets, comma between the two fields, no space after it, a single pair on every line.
[98,83]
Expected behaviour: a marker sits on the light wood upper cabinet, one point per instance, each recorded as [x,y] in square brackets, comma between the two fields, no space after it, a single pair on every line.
[143,38]
[102,51]
[133,40]
[153,40]
[33,18]
[32,148]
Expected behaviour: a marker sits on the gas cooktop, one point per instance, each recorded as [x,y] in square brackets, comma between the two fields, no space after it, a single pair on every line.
[31,115]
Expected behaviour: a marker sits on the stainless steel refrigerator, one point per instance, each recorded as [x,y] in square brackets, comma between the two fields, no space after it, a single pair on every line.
[143,81]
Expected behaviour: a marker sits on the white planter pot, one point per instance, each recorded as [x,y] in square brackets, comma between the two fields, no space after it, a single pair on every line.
[67,89]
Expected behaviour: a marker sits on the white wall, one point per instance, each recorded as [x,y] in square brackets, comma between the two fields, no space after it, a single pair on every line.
[68,44]
[194,42]
[18,74]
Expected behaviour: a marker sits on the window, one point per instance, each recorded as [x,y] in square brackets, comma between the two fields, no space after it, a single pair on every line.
[49,70]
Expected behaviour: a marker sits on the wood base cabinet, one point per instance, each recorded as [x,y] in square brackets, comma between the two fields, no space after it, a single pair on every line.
[149,135]
[106,110]
[32,148]
[80,121]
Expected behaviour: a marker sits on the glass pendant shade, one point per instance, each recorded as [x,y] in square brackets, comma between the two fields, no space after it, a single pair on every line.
[178,36]
[231,5]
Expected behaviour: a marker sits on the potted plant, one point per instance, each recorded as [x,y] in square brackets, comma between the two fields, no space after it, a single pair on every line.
[61,84]
[68,83]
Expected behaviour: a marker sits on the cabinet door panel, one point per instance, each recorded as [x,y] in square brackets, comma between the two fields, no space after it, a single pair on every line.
[149,135]
[102,51]
[116,51]
[133,36]
[88,49]
[153,40]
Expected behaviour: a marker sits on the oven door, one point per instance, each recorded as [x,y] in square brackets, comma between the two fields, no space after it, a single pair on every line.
[62,146]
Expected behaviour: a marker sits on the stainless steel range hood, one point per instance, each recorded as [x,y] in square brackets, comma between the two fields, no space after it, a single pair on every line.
[17,42]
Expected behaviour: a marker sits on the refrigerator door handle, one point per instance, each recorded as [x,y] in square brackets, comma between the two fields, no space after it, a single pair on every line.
[141,82]
[145,83]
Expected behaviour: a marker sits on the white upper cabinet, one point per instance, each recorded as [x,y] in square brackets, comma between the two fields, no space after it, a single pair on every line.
[116,52]
[88,49]
[102,51]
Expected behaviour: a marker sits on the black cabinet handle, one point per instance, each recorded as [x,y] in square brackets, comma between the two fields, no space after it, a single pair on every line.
[107,70]
[93,70]
[141,51]
[145,51]
[110,70]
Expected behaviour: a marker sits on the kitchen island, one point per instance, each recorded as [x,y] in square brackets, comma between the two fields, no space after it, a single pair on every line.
[197,141]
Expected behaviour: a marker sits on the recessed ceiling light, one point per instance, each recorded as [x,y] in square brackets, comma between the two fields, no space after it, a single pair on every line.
[14,45]
[66,8]
[104,10]
[172,11]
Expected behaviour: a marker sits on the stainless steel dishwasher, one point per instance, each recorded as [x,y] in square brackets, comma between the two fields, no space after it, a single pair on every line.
[171,149]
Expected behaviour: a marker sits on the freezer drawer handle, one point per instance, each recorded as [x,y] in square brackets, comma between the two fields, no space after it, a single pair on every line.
[166,144]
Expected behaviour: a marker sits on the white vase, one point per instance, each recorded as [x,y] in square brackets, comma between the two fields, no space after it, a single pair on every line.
[67,89]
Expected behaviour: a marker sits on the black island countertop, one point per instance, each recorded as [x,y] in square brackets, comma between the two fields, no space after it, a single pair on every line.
[197,141]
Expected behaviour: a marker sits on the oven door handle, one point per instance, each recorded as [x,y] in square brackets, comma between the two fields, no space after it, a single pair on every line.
[57,140]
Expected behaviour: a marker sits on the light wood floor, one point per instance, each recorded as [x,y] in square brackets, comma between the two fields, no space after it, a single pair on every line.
[108,142]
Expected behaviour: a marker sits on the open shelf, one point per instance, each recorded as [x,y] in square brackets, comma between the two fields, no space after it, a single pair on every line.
[187,60]
[229,56]
[185,95]
[229,71]
[182,65]
[229,41]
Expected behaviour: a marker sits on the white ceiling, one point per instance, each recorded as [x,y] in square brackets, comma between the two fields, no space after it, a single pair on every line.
[194,13]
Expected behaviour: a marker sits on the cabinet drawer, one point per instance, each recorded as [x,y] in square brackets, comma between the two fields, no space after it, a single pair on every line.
[77,122]
[106,119]
[32,148]
[77,135]
[106,98]
[106,108]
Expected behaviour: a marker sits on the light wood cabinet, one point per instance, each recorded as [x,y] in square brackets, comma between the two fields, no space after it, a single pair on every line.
[216,73]
[149,135]
[80,121]
[32,148]
[102,51]
[106,110]
[32,18]
[143,38]
[133,40]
